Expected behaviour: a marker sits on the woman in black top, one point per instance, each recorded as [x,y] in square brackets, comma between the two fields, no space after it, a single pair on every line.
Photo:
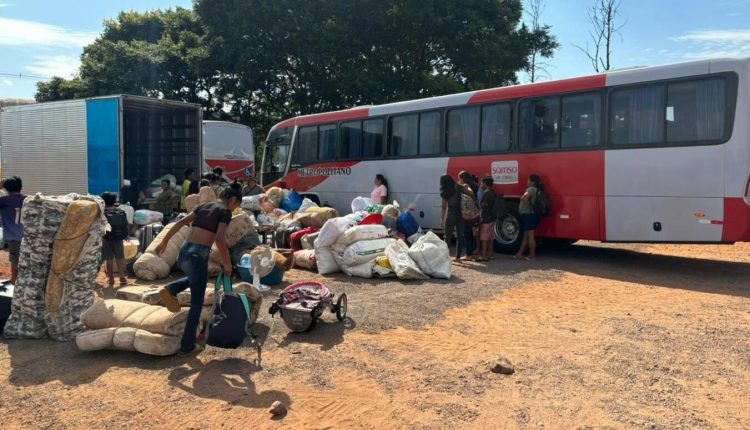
[467,179]
[209,221]
[450,212]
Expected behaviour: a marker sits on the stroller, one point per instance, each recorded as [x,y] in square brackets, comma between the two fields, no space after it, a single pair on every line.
[301,305]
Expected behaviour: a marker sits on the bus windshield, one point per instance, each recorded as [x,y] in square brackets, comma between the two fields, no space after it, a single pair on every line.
[276,155]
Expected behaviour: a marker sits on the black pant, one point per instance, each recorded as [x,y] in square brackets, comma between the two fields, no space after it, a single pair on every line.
[455,222]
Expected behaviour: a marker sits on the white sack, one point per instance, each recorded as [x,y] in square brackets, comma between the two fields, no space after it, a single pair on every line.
[362,232]
[305,259]
[252,203]
[432,256]
[306,204]
[364,251]
[361,271]
[405,268]
[326,262]
[360,203]
[332,230]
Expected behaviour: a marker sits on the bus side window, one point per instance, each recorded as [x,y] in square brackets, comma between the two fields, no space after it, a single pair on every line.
[496,127]
[372,138]
[695,110]
[636,116]
[404,135]
[307,145]
[581,120]
[351,140]
[327,142]
[463,130]
[539,123]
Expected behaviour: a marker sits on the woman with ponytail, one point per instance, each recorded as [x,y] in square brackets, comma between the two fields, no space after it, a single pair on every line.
[209,222]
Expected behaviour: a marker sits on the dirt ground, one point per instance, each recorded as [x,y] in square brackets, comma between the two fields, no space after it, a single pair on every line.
[601,337]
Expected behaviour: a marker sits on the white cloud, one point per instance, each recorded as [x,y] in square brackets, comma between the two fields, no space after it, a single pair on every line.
[713,44]
[716,36]
[2,5]
[17,32]
[54,65]
[5,81]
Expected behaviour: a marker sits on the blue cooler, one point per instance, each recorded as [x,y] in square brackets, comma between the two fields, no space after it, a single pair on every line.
[273,278]
[406,224]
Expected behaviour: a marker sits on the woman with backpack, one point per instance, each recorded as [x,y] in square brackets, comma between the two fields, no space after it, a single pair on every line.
[470,235]
[450,211]
[529,219]
[209,222]
[489,218]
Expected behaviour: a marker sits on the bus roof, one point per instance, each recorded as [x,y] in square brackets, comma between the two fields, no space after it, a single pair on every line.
[499,94]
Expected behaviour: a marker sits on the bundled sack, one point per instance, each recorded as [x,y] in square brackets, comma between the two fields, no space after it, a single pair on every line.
[149,266]
[75,264]
[432,256]
[283,259]
[308,240]
[205,195]
[398,255]
[132,326]
[310,219]
[332,230]
[275,195]
[364,251]
[362,232]
[240,227]
[390,211]
[42,216]
[149,294]
[305,259]
[145,216]
[253,203]
[326,261]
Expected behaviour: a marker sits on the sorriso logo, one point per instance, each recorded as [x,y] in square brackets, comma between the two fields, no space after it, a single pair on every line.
[505,172]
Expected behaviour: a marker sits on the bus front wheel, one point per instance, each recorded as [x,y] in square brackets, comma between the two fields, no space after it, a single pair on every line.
[508,235]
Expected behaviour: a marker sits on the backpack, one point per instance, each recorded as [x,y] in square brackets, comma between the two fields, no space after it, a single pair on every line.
[498,207]
[119,223]
[541,204]
[469,208]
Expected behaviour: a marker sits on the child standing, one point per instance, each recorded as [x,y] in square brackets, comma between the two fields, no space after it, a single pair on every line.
[486,230]
[113,250]
[10,210]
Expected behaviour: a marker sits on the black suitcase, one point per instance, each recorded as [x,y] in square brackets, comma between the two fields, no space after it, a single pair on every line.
[146,234]
[6,297]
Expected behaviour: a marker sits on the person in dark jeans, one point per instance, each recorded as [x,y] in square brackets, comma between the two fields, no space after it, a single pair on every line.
[450,211]
[468,180]
[209,221]
[10,210]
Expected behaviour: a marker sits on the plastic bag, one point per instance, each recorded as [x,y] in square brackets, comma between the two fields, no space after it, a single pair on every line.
[306,204]
[362,232]
[253,203]
[332,230]
[292,202]
[432,256]
[360,203]
[144,217]
[398,255]
[305,259]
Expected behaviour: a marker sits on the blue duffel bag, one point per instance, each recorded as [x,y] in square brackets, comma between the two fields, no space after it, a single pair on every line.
[232,316]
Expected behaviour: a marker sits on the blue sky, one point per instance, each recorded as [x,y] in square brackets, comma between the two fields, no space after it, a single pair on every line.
[45,37]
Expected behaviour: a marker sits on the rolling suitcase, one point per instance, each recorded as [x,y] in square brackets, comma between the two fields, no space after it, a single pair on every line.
[6,297]
[146,234]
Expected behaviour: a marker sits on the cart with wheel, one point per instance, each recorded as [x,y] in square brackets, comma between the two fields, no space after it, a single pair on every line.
[303,303]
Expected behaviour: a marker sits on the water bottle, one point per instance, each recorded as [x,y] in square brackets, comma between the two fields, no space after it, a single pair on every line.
[245,261]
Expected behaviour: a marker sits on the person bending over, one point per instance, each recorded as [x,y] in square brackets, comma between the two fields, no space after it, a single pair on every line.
[209,221]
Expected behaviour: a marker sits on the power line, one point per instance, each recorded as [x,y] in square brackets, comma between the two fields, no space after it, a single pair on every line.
[23,76]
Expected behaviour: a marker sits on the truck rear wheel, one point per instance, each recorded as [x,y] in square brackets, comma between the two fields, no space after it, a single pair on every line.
[508,234]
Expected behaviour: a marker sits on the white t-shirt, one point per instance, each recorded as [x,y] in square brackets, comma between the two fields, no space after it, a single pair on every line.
[378,194]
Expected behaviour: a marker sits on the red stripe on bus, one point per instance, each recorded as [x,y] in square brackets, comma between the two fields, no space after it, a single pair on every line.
[321,118]
[539,89]
[574,181]
[736,220]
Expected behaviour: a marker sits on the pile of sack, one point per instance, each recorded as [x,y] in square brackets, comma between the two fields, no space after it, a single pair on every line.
[373,241]
[58,264]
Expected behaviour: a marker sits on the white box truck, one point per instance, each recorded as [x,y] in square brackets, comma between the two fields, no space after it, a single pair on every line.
[92,145]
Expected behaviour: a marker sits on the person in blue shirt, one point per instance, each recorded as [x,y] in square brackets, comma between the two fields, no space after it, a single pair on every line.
[10,212]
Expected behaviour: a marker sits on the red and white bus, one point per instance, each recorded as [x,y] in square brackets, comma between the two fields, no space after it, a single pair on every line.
[657,154]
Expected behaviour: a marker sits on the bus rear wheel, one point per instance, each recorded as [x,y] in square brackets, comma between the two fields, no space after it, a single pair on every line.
[508,234]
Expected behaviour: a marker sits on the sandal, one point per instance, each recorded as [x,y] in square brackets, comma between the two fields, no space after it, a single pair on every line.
[530,258]
[123,282]
[197,349]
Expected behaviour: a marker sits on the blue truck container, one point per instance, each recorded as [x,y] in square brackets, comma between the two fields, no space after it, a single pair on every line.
[92,145]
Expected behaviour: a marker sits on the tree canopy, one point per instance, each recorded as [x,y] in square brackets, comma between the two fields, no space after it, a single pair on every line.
[257,62]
